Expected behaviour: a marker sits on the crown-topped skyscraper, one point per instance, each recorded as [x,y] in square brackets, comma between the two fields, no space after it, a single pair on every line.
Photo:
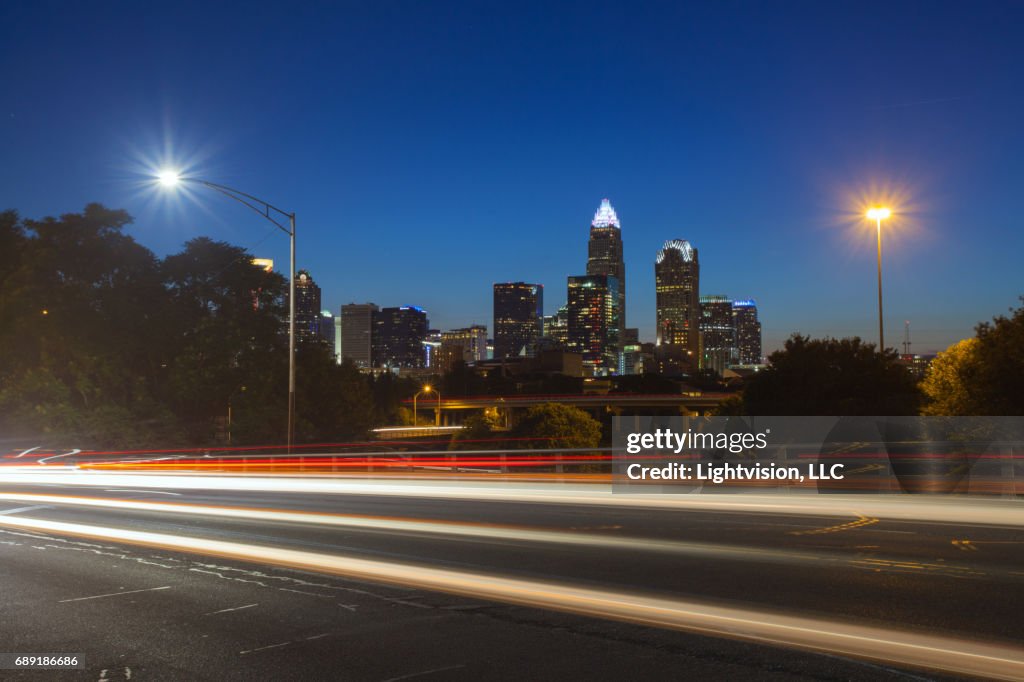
[604,252]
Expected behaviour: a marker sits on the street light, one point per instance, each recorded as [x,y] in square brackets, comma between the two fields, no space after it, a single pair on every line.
[415,415]
[878,215]
[171,178]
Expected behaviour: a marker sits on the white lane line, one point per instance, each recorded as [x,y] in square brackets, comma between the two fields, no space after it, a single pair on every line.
[115,594]
[236,608]
[902,647]
[18,510]
[145,492]
[425,672]
[263,648]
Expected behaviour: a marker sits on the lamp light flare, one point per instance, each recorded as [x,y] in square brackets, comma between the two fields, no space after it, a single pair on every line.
[168,178]
[879,213]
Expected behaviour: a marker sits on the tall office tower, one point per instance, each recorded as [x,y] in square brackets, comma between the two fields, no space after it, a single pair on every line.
[604,252]
[594,325]
[337,339]
[307,309]
[518,319]
[462,345]
[718,333]
[677,283]
[398,336]
[748,332]
[326,329]
[357,333]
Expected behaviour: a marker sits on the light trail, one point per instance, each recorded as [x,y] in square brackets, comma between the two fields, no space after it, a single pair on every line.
[959,510]
[892,646]
[504,532]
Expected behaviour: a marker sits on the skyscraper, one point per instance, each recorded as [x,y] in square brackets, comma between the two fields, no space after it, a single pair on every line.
[326,330]
[398,336]
[748,331]
[556,329]
[357,333]
[630,360]
[593,302]
[718,333]
[307,309]
[462,345]
[604,252]
[677,283]
[337,339]
[518,318]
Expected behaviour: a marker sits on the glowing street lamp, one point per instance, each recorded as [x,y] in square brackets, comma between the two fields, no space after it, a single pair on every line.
[168,178]
[878,215]
[171,178]
[415,415]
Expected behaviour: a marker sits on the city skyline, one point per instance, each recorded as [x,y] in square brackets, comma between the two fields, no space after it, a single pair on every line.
[439,158]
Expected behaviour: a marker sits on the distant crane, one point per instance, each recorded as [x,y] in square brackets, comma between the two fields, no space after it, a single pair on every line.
[906,337]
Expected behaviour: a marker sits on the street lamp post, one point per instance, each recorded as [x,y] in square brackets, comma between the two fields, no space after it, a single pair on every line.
[171,178]
[415,414]
[878,215]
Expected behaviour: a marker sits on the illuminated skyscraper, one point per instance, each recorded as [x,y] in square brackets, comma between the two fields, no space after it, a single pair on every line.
[630,361]
[462,345]
[748,332]
[326,330]
[677,282]
[718,333]
[307,309]
[337,339]
[556,329]
[518,319]
[593,302]
[357,333]
[604,253]
[398,336]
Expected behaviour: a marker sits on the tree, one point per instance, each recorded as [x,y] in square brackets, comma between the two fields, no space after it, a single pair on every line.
[480,426]
[554,425]
[948,384]
[226,313]
[831,377]
[72,287]
[335,403]
[997,385]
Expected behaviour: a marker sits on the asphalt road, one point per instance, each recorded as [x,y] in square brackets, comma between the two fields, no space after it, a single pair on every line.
[145,612]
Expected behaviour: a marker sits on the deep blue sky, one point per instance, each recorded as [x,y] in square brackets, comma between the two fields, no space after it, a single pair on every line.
[431,149]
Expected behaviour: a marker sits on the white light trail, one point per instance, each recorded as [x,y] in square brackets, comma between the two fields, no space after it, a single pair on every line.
[959,510]
[892,646]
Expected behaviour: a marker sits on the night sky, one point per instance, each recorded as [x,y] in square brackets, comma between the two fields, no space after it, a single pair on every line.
[431,149]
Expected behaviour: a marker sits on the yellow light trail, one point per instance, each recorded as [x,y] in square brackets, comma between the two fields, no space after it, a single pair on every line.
[934,652]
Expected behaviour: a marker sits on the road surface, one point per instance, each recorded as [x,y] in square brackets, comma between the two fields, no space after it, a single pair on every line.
[417,582]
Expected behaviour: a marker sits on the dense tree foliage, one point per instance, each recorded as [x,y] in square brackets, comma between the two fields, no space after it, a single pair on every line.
[831,377]
[980,376]
[999,383]
[555,425]
[102,344]
[947,384]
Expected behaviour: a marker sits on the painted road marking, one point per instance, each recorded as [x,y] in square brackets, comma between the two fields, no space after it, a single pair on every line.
[115,594]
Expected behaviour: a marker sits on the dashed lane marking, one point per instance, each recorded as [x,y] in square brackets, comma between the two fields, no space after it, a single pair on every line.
[859,523]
